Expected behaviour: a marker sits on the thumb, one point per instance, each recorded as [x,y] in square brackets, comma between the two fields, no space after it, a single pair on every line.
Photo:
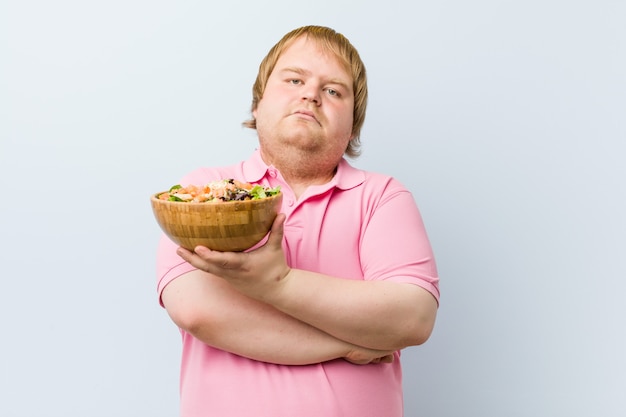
[277,230]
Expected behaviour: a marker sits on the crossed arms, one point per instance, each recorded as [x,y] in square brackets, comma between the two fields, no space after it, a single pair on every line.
[252,304]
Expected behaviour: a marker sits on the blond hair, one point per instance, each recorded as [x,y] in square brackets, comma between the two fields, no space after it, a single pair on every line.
[330,41]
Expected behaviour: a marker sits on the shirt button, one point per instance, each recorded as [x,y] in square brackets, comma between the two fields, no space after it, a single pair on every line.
[290,203]
[273,173]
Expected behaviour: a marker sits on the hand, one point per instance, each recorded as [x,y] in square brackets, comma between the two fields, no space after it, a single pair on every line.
[363,356]
[256,273]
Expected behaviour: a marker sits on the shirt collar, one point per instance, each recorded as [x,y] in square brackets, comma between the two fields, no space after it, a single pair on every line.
[255,169]
[348,176]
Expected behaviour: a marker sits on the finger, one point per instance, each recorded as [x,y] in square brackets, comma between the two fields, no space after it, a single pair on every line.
[216,261]
[387,359]
[186,254]
[192,258]
[203,251]
[277,230]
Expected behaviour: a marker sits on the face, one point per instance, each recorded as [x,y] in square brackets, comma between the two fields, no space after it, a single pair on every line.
[307,106]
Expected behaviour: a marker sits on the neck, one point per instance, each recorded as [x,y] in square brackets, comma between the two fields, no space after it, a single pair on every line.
[303,171]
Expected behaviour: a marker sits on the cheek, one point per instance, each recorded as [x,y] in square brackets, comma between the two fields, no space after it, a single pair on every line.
[260,111]
[347,124]
[269,104]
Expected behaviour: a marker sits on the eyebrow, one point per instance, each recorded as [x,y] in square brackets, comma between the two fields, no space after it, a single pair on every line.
[302,71]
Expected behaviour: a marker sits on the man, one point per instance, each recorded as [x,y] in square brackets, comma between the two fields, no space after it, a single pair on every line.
[310,322]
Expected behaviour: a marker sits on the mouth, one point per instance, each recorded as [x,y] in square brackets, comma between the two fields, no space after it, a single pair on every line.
[305,114]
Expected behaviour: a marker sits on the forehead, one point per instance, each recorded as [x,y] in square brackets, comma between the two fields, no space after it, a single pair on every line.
[311,54]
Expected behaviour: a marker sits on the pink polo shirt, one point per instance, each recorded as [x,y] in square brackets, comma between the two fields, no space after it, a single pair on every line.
[360,225]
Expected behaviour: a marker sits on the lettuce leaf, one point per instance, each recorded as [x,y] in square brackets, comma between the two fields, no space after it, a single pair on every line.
[259,191]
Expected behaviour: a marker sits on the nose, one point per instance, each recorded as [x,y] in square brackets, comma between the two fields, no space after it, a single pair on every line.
[311,93]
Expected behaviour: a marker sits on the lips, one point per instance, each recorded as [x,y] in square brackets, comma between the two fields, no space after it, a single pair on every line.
[307,114]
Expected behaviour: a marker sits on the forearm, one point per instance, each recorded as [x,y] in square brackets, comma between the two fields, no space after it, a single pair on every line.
[212,311]
[257,331]
[381,315]
[374,314]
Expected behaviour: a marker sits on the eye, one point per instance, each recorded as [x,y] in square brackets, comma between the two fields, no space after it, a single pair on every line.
[333,92]
[295,81]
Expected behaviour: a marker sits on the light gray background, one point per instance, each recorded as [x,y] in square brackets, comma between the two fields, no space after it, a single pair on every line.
[505,118]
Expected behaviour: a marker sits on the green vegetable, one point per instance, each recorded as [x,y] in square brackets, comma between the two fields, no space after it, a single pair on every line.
[258,192]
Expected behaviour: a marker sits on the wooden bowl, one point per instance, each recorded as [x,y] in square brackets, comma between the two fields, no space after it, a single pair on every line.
[231,226]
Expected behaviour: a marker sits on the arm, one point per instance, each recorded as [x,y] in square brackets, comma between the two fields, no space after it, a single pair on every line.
[214,312]
[374,314]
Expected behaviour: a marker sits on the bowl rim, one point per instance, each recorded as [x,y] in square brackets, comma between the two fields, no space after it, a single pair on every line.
[154,197]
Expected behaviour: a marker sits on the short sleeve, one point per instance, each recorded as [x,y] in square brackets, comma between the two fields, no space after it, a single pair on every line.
[395,245]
